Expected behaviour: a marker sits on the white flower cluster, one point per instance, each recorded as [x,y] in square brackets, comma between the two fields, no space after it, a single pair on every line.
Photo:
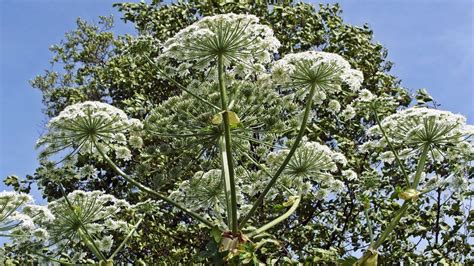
[63,224]
[300,69]
[240,39]
[10,205]
[80,127]
[348,113]
[445,134]
[19,217]
[96,211]
[312,162]
[34,232]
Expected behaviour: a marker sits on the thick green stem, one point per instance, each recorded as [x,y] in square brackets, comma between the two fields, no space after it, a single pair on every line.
[151,191]
[226,178]
[369,225]
[282,167]
[385,233]
[228,145]
[392,224]
[277,220]
[421,166]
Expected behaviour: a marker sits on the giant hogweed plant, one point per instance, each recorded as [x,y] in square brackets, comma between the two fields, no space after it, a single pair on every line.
[245,123]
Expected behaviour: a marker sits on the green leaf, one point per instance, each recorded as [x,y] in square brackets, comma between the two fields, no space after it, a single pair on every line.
[12,180]
[422,97]
[216,234]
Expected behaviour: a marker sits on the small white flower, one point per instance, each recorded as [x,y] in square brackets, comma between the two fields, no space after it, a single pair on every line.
[321,194]
[105,244]
[365,96]
[87,171]
[334,106]
[349,174]
[387,157]
[136,142]
[348,113]
[123,153]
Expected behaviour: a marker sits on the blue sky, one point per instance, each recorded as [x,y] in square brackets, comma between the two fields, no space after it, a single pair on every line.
[431,43]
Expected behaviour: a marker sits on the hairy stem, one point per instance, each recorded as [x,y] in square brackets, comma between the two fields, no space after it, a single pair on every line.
[228,145]
[282,167]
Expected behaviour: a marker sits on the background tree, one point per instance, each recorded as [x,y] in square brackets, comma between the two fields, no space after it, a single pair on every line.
[92,64]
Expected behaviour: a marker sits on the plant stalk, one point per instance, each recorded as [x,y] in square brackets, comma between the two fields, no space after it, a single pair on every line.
[419,169]
[228,144]
[282,167]
[226,178]
[385,233]
[90,244]
[126,239]
[421,166]
[278,219]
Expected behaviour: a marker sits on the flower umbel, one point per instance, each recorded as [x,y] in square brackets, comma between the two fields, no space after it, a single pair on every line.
[306,68]
[80,127]
[312,162]
[239,39]
[444,133]
[10,217]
